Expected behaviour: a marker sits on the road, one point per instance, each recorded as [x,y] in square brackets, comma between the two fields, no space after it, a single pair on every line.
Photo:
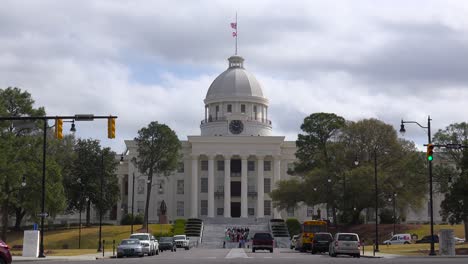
[234,256]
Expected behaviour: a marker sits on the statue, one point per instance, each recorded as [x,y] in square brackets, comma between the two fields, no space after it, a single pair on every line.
[162,214]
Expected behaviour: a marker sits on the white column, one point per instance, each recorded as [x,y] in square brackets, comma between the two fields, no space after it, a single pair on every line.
[227,186]
[244,187]
[211,185]
[260,188]
[194,194]
[276,178]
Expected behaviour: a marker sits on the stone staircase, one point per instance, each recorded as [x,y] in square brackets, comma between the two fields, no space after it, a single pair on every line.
[214,228]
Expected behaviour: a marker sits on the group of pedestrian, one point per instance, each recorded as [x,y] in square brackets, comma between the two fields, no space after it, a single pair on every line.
[237,234]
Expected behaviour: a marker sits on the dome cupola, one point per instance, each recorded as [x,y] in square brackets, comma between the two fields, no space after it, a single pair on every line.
[235,105]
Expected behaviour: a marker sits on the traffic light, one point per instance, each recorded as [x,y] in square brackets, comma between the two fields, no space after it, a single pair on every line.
[430,151]
[111,127]
[58,128]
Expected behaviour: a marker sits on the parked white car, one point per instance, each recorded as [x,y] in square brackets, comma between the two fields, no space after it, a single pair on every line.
[459,240]
[345,244]
[398,239]
[149,243]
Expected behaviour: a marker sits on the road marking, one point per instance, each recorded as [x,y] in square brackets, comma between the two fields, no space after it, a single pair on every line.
[236,253]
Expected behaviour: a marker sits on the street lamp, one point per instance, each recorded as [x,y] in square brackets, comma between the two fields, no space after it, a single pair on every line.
[133,198]
[100,202]
[376,203]
[428,127]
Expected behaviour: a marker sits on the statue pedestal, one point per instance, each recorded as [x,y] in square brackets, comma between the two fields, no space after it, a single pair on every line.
[163,219]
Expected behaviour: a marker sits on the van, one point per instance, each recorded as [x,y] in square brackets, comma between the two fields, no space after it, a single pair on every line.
[345,243]
[399,239]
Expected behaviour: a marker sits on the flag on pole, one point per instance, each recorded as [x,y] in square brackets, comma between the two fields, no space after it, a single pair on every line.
[234,25]
[234,34]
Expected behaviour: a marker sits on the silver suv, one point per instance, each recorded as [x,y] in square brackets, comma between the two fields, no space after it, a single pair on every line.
[149,243]
[346,244]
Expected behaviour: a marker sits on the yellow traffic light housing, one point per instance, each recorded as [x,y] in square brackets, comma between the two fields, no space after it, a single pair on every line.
[59,128]
[430,152]
[111,127]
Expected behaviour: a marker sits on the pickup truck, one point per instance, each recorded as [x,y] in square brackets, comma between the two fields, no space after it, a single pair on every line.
[262,241]
[182,241]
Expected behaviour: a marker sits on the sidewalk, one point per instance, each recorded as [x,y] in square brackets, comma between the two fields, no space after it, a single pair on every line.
[65,258]
[370,254]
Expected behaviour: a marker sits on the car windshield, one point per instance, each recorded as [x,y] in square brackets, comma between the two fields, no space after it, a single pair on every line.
[262,236]
[179,237]
[166,239]
[323,237]
[140,237]
[130,242]
[314,228]
[347,237]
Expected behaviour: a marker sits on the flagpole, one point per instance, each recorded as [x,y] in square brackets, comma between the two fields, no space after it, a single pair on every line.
[236,33]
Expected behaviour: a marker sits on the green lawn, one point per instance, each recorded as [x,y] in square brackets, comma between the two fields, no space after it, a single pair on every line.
[68,238]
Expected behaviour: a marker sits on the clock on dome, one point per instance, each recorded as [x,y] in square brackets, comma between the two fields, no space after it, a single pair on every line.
[236,127]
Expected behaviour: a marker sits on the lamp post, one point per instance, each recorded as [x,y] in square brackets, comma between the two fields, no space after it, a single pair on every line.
[328,198]
[428,127]
[376,203]
[133,198]
[100,202]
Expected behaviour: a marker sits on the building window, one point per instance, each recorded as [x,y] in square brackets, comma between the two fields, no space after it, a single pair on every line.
[243,108]
[204,207]
[267,185]
[140,207]
[267,207]
[290,168]
[204,165]
[141,186]
[180,186]
[251,165]
[180,167]
[229,108]
[180,208]
[220,211]
[217,111]
[290,211]
[310,211]
[251,211]
[267,165]
[220,165]
[204,185]
[255,112]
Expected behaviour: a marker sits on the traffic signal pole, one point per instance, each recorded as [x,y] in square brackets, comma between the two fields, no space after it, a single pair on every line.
[432,252]
[43,214]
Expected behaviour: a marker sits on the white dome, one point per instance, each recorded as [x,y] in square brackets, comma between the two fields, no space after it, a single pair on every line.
[234,82]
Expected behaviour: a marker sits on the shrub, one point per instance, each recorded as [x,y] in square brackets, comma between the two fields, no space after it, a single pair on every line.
[179,227]
[294,227]
[127,219]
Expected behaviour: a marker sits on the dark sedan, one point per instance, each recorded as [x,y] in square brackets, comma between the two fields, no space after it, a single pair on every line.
[321,242]
[167,243]
[427,239]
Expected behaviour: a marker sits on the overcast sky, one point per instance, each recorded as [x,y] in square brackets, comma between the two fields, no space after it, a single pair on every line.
[154,60]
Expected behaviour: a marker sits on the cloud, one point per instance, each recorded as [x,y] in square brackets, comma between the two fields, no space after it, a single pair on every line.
[154,60]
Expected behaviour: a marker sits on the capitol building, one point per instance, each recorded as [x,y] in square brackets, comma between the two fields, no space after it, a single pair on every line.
[228,170]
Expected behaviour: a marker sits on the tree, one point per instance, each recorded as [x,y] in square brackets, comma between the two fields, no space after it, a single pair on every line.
[20,157]
[90,165]
[329,175]
[451,174]
[158,154]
